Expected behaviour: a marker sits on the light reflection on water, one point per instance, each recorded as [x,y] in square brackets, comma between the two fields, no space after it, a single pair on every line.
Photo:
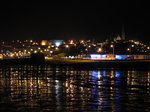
[45,88]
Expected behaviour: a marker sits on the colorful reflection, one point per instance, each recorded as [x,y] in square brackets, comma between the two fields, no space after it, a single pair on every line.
[46,88]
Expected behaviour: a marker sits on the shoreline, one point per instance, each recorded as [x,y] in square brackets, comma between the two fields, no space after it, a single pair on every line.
[80,63]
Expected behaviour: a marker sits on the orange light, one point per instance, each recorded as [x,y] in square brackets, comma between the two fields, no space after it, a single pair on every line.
[67,46]
[44,42]
[99,49]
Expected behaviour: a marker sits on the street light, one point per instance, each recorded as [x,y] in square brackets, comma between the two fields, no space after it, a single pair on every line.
[99,50]
[112,46]
[67,46]
[129,50]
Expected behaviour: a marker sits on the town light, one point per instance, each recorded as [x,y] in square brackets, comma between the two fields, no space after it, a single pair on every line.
[43,43]
[35,51]
[56,48]
[128,49]
[71,42]
[111,46]
[57,44]
[99,50]
[67,46]
[132,45]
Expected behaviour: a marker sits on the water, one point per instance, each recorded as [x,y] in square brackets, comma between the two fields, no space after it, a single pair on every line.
[64,89]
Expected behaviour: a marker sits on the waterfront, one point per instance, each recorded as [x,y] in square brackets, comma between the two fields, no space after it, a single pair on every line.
[42,88]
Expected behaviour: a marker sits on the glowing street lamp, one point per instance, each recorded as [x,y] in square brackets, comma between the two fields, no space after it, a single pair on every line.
[112,46]
[129,50]
[132,45]
[35,51]
[56,48]
[99,50]
[67,46]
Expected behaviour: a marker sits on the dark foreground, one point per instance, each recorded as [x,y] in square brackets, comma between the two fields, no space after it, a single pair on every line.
[118,64]
[27,88]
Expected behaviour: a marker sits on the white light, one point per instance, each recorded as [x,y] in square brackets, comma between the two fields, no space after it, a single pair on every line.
[57,44]
[99,49]
[132,45]
[95,56]
[67,46]
[111,46]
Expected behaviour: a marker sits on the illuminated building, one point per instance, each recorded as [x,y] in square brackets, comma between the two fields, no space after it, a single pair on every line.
[44,42]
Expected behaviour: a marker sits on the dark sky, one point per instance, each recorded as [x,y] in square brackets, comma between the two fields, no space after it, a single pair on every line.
[73,20]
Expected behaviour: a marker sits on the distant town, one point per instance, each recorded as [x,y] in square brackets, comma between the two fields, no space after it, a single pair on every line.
[117,48]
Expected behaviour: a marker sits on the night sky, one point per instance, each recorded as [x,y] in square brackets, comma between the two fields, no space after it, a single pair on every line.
[73,20]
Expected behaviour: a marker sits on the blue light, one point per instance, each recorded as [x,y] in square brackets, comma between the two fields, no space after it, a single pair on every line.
[94,91]
[121,56]
[103,56]
[57,44]
[117,74]
[94,75]
[104,73]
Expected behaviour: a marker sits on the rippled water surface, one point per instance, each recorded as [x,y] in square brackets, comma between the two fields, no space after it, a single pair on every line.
[64,89]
